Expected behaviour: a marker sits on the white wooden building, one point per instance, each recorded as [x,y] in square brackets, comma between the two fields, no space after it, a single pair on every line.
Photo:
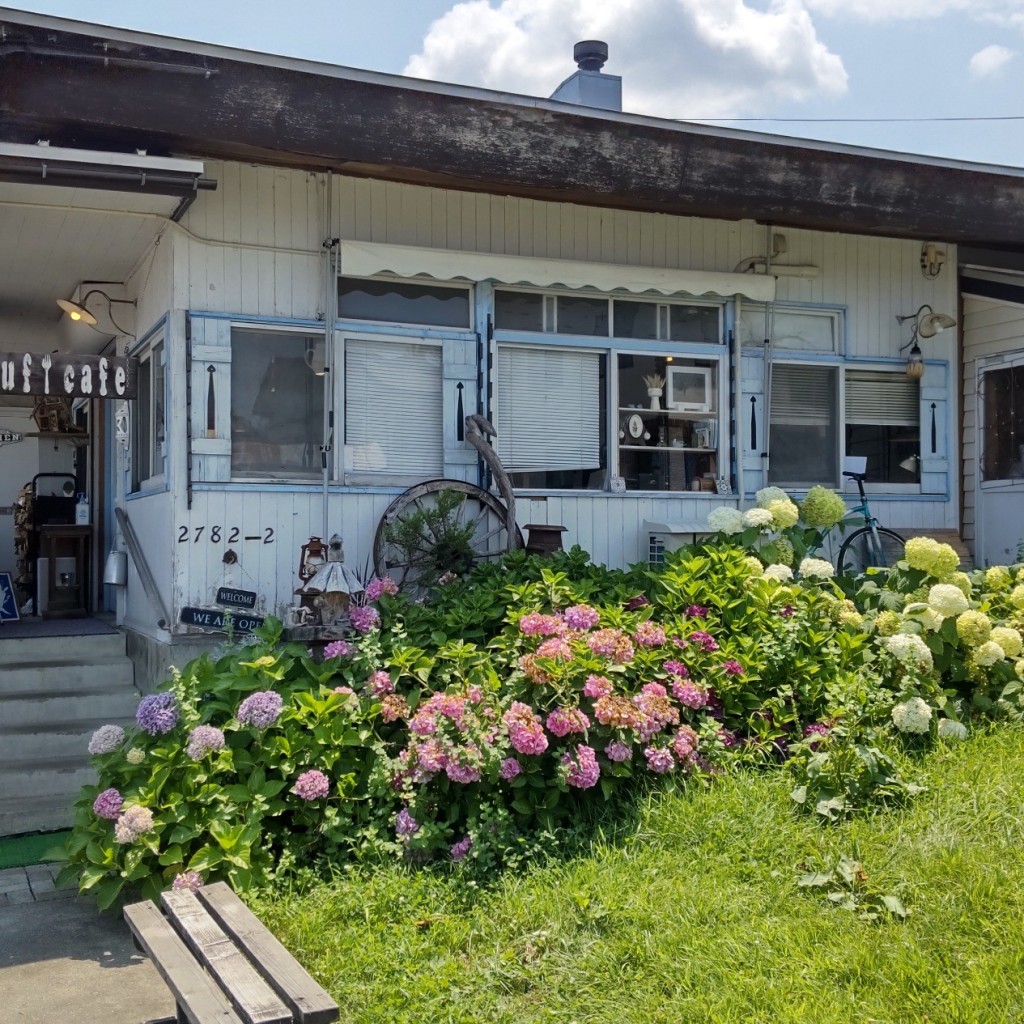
[428,290]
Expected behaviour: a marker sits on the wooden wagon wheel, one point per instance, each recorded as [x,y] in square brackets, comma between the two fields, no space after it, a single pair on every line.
[440,526]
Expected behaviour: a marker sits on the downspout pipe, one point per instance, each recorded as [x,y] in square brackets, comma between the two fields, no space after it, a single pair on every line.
[737,399]
[330,315]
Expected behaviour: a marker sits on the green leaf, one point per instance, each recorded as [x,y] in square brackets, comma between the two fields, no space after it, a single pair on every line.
[895,907]
[815,879]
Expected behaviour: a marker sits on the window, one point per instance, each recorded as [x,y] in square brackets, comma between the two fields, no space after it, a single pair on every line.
[602,317]
[668,423]
[803,425]
[793,329]
[393,410]
[883,416]
[277,404]
[550,412]
[1003,431]
[150,422]
[404,302]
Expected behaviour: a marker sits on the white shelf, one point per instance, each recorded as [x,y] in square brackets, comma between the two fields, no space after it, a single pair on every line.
[672,414]
[662,448]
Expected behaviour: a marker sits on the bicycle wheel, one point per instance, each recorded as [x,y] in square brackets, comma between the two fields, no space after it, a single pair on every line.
[866,548]
[437,527]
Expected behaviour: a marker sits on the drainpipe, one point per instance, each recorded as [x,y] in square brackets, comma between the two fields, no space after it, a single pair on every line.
[737,401]
[330,303]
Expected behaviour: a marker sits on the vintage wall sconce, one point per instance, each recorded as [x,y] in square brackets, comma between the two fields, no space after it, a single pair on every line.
[925,325]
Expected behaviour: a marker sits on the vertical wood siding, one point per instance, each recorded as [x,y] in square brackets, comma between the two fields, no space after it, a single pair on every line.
[253,248]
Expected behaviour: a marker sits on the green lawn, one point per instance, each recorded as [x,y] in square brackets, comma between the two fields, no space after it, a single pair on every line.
[695,914]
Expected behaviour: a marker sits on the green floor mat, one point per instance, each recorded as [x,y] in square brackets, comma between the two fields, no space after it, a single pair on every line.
[21,851]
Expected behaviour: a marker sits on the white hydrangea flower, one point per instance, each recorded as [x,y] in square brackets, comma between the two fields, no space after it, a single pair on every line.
[817,568]
[785,514]
[950,730]
[779,572]
[106,739]
[725,520]
[920,612]
[1019,669]
[759,517]
[1007,638]
[754,565]
[910,649]
[767,495]
[988,653]
[913,715]
[135,756]
[947,599]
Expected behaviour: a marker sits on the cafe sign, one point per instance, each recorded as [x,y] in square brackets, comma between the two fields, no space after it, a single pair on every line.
[64,375]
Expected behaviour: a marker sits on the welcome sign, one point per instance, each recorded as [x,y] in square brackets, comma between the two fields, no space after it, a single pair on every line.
[67,375]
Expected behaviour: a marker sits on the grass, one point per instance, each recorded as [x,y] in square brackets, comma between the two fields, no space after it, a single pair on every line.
[23,851]
[694,913]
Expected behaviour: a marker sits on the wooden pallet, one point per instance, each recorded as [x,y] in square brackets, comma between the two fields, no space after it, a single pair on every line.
[222,965]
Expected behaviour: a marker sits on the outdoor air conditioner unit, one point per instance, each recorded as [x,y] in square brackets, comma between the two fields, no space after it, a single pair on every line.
[669,536]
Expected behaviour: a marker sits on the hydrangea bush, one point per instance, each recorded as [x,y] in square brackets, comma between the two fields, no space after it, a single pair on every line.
[462,726]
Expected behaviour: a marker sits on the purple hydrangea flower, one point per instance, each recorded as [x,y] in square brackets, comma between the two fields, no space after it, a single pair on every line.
[696,611]
[705,640]
[787,611]
[312,785]
[618,751]
[337,649]
[659,759]
[405,823]
[581,617]
[676,668]
[157,713]
[364,618]
[510,768]
[203,740]
[260,709]
[108,804]
[732,668]
[637,602]
[191,880]
[106,739]
[462,847]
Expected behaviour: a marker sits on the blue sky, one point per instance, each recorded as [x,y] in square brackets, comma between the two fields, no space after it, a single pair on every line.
[686,59]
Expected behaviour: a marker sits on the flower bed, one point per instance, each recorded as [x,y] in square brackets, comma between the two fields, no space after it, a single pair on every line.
[497,711]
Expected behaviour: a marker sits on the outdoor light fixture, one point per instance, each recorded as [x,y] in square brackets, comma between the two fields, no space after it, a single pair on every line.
[925,325]
[78,312]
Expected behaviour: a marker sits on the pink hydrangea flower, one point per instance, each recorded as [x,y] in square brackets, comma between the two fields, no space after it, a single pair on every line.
[461,848]
[525,729]
[380,683]
[405,823]
[597,686]
[581,771]
[379,586]
[133,822]
[676,668]
[364,618]
[581,617]
[556,648]
[689,695]
[431,756]
[563,721]
[510,768]
[312,785]
[659,759]
[684,743]
[536,624]
[191,880]
[704,640]
[613,644]
[338,649]
[649,634]
[732,668]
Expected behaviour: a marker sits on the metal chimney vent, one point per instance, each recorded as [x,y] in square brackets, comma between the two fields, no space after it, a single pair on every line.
[590,54]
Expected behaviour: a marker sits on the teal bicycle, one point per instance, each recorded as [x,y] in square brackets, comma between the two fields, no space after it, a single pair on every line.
[871,545]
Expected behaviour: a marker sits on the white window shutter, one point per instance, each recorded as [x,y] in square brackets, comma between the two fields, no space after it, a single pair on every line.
[393,410]
[882,398]
[548,409]
[800,396]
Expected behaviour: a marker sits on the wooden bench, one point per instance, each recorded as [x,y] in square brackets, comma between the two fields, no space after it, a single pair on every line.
[222,965]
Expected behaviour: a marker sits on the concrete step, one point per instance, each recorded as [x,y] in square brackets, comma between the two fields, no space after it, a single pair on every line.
[57,737]
[61,678]
[61,649]
[45,778]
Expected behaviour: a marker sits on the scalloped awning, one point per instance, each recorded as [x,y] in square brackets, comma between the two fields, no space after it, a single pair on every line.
[364,259]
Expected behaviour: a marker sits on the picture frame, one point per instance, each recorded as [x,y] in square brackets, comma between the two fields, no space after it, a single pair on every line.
[689,389]
[8,599]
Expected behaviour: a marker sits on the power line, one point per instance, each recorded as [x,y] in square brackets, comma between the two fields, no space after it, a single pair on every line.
[856,120]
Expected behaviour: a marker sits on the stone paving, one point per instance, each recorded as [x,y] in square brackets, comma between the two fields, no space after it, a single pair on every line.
[32,885]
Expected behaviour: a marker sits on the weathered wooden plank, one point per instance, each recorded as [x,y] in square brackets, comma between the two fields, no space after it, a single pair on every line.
[310,1003]
[248,991]
[195,992]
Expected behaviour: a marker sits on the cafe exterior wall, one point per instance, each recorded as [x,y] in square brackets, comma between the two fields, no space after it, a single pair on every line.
[250,256]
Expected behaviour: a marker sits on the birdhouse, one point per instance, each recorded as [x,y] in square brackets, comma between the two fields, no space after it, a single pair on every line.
[332,586]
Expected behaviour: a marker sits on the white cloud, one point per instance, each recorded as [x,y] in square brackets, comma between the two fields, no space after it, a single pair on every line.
[1003,11]
[677,58]
[990,61]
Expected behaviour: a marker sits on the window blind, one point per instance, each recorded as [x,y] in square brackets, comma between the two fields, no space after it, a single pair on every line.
[393,408]
[549,408]
[803,395]
[882,399]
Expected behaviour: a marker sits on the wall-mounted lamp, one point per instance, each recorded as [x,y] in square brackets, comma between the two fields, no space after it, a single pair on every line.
[78,312]
[926,325]
[932,258]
